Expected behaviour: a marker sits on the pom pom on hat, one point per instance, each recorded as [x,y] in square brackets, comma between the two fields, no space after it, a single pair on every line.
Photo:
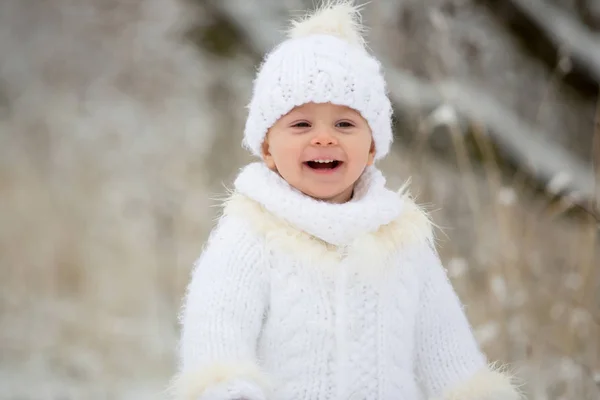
[323,60]
[337,18]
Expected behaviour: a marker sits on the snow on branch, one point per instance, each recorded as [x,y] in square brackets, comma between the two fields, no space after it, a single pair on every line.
[573,40]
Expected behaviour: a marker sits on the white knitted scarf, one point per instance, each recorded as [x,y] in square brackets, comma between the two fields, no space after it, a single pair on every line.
[371,206]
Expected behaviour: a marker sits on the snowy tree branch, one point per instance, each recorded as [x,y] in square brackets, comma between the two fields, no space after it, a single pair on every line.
[571,39]
[521,142]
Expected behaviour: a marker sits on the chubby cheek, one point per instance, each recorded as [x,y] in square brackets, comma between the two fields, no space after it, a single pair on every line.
[286,154]
[360,152]
[286,157]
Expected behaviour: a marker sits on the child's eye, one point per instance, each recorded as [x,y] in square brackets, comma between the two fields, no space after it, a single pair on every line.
[302,124]
[345,124]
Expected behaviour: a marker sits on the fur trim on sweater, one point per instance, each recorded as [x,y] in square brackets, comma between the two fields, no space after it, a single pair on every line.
[489,384]
[244,380]
[412,227]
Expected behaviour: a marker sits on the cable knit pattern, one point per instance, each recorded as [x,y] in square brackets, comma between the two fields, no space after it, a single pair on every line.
[298,299]
[442,324]
[222,318]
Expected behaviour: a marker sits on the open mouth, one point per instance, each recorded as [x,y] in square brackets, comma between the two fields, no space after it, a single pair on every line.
[323,164]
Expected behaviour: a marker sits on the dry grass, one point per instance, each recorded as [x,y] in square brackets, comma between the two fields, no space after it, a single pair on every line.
[103,200]
[104,204]
[527,270]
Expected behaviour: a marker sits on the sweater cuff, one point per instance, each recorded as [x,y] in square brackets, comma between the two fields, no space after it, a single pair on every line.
[229,381]
[488,384]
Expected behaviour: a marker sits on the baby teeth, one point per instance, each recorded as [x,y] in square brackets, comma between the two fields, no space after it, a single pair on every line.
[323,161]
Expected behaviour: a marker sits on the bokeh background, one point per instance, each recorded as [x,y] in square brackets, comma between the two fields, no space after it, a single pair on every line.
[121,121]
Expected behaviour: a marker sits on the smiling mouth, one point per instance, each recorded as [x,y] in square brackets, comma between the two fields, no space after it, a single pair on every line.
[323,164]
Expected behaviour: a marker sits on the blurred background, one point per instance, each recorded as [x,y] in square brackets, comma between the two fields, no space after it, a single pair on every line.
[121,121]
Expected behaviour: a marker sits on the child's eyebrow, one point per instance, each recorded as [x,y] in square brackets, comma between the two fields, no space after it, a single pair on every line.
[350,114]
[296,114]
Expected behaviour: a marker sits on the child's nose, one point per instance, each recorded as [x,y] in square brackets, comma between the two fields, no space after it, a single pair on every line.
[324,138]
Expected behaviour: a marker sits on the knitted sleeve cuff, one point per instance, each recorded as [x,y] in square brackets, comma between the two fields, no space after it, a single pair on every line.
[488,384]
[224,381]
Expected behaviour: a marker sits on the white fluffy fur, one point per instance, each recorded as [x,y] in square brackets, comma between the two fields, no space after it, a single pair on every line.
[412,227]
[339,18]
[192,385]
[492,383]
[278,233]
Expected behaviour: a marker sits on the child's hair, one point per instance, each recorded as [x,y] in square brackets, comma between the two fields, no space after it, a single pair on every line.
[324,59]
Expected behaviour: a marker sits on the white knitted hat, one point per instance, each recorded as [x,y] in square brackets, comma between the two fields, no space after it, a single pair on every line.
[323,60]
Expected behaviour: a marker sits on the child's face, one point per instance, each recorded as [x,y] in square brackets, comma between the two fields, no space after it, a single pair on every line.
[337,136]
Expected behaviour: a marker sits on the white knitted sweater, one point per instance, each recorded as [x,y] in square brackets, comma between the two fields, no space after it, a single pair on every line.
[296,299]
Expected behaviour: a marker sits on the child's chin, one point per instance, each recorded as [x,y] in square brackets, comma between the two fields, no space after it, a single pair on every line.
[325,195]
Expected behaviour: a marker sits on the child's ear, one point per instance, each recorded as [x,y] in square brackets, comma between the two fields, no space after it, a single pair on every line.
[371,158]
[266,154]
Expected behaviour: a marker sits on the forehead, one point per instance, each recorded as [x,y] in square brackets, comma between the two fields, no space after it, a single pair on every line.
[325,108]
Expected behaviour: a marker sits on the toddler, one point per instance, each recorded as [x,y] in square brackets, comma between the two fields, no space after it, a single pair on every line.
[318,282]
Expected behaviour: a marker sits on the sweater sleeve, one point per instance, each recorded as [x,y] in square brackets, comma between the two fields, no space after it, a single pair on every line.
[221,319]
[449,362]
